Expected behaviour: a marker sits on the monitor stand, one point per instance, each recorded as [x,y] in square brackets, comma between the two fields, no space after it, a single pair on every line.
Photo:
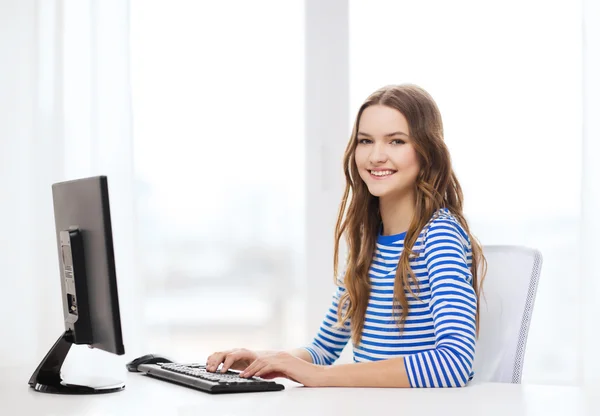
[47,377]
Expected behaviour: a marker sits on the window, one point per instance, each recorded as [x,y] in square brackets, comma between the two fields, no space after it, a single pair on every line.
[507,78]
[218,103]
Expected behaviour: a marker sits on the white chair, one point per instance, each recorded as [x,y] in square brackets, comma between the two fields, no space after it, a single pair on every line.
[509,291]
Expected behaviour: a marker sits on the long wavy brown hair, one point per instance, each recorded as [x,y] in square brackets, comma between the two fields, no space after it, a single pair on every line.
[359,219]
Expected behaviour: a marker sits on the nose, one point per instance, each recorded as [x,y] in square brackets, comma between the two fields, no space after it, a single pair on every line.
[378,154]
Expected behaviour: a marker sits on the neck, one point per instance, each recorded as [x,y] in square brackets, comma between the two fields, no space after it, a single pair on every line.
[397,213]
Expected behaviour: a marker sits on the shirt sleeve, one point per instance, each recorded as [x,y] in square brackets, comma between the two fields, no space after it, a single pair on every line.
[453,304]
[330,340]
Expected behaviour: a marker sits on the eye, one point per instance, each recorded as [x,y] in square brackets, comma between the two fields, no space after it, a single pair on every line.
[397,141]
[364,141]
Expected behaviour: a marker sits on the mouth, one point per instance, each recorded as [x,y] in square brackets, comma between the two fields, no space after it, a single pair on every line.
[381,174]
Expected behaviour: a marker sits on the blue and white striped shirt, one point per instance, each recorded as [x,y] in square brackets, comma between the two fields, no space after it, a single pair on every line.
[438,342]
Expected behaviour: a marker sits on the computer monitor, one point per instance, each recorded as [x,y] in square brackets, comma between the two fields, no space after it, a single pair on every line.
[88,281]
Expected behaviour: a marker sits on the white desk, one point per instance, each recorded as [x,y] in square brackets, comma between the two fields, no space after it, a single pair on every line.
[145,396]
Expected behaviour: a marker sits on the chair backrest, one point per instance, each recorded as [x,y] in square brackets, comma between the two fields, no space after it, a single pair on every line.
[506,305]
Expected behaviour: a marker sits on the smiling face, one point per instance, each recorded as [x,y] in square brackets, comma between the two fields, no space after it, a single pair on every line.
[385,157]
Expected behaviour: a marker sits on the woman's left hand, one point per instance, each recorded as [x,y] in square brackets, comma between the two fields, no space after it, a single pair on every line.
[283,364]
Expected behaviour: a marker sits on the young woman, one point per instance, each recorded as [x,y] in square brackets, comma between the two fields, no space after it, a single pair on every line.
[409,294]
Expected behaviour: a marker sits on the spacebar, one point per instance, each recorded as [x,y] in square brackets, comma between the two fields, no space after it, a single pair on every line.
[182,378]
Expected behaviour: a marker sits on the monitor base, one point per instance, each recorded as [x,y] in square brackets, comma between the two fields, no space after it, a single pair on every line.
[65,388]
[47,377]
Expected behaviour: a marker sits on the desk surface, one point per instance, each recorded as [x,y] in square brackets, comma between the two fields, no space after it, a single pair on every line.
[145,396]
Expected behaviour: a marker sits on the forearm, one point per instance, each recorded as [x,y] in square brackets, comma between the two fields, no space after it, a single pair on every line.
[298,352]
[385,373]
[302,354]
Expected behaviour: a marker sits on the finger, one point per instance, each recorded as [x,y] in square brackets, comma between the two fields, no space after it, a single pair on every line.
[252,368]
[269,368]
[228,362]
[210,360]
[213,362]
[232,358]
[259,367]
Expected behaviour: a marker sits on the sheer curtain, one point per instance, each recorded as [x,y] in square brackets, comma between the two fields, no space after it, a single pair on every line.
[218,103]
[588,363]
[64,114]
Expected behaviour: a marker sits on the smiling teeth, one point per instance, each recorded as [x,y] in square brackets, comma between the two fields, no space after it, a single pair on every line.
[382,172]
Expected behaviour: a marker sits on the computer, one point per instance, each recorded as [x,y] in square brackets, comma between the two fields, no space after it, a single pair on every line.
[90,301]
[88,282]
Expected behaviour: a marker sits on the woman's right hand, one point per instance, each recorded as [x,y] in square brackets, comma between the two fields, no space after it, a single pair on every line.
[236,359]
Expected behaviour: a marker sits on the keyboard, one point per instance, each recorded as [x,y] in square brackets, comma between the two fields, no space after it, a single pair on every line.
[197,377]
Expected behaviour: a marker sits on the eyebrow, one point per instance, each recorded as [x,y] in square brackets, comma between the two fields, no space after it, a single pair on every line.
[396,133]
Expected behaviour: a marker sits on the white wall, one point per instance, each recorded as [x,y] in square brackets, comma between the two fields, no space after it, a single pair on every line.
[328,129]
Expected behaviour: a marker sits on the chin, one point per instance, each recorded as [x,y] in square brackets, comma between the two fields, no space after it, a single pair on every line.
[379,191]
[386,191]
